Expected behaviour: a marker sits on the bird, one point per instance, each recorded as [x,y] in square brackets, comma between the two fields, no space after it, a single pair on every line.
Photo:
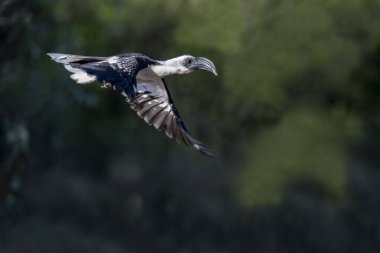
[141,80]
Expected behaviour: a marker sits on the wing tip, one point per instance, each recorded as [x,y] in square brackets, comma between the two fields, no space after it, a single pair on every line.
[58,57]
[204,150]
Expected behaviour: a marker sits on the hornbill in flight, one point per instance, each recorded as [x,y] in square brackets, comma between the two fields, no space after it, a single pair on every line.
[141,81]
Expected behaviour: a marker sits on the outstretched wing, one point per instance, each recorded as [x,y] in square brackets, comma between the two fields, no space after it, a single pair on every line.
[155,105]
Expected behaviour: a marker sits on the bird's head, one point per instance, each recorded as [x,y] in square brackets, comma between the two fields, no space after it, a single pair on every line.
[186,63]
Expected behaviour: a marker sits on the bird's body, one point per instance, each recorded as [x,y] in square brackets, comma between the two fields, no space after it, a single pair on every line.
[140,79]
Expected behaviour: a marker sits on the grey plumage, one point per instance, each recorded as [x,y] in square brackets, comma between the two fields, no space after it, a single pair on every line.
[140,79]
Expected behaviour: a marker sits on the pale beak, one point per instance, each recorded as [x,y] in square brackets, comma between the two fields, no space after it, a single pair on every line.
[205,64]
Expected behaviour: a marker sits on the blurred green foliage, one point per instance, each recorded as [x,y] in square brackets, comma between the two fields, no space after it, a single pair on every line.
[294,115]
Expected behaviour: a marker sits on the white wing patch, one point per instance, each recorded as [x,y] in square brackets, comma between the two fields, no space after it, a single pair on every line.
[80,76]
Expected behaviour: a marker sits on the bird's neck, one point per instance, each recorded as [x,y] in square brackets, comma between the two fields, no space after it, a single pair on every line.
[169,67]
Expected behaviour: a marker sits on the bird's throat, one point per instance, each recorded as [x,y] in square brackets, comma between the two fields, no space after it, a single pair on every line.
[164,70]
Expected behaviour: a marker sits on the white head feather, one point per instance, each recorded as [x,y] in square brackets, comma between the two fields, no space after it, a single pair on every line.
[172,66]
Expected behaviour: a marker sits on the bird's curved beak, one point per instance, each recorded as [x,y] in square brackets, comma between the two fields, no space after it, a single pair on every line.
[205,64]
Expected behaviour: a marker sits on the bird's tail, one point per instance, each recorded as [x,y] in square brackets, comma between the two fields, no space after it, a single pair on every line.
[73,64]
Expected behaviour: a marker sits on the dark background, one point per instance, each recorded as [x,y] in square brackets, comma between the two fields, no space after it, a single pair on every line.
[294,115]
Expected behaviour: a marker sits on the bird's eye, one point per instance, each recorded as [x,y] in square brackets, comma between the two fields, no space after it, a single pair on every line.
[189,61]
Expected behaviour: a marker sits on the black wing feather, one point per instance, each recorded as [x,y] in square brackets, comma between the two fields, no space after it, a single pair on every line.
[155,105]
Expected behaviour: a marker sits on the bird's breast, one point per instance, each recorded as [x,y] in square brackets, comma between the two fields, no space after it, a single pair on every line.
[147,74]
